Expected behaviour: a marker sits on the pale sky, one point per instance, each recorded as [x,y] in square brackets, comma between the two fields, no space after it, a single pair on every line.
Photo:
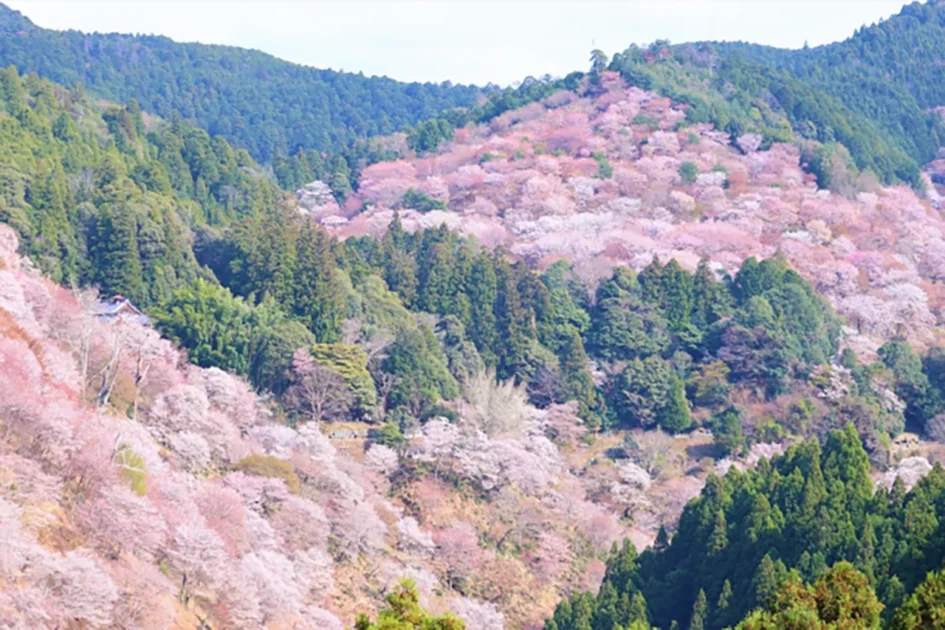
[501,41]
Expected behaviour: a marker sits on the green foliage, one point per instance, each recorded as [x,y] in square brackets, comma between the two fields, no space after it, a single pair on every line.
[272,358]
[619,604]
[264,104]
[349,362]
[215,327]
[132,469]
[781,326]
[420,370]
[462,357]
[700,609]
[925,608]
[421,202]
[709,386]
[763,330]
[270,466]
[886,71]
[726,87]
[918,382]
[841,598]
[767,530]
[727,431]
[604,169]
[95,199]
[428,135]
[833,166]
[389,435]
[648,393]
[688,172]
[404,612]
[623,325]
[284,257]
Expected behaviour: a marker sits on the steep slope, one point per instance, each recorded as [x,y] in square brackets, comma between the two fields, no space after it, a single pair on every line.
[256,101]
[139,491]
[621,176]
[100,196]
[890,72]
[752,540]
[741,96]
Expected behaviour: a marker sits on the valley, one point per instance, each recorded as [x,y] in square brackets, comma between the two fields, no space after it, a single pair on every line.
[658,344]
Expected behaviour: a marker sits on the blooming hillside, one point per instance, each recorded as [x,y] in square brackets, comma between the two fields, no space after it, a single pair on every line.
[138,491]
[613,178]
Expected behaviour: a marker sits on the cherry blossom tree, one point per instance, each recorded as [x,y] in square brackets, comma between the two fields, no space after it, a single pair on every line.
[223,510]
[81,589]
[440,440]
[143,347]
[360,531]
[478,615]
[413,539]
[302,524]
[317,392]
[382,459]
[320,619]
[263,495]
[314,569]
[601,528]
[119,521]
[199,555]
[458,548]
[275,580]
[145,596]
[552,557]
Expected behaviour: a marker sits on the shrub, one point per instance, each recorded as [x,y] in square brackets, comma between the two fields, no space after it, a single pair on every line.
[132,469]
[496,406]
[350,363]
[421,202]
[269,466]
[688,171]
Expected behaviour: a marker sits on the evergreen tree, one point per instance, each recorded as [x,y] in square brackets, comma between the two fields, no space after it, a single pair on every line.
[674,416]
[114,249]
[579,384]
[511,324]
[700,611]
[651,282]
[318,295]
[420,369]
[215,327]
[727,430]
[676,293]
[481,288]
[403,612]
[925,608]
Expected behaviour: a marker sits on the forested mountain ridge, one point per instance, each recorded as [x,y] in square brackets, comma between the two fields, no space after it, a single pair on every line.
[757,540]
[256,101]
[610,175]
[100,198]
[499,367]
[889,72]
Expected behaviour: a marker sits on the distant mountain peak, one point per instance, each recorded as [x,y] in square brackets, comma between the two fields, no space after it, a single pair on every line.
[12,21]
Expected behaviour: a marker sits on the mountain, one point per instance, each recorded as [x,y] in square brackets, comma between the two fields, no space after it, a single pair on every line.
[890,72]
[615,174]
[141,491]
[100,196]
[756,540]
[739,96]
[684,302]
[468,441]
[256,101]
